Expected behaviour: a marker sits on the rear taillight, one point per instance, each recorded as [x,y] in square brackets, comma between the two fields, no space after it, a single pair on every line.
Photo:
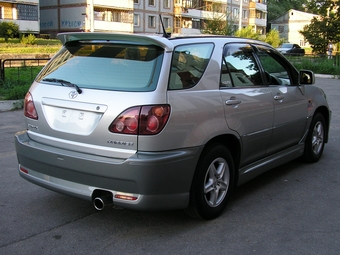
[141,120]
[29,108]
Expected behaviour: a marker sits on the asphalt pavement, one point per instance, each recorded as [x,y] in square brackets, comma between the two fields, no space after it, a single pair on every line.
[292,209]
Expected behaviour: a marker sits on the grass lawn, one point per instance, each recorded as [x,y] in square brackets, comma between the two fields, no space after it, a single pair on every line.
[13,46]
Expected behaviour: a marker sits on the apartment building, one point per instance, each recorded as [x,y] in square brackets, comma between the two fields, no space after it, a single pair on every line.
[146,17]
[23,13]
[143,16]
[190,15]
[86,15]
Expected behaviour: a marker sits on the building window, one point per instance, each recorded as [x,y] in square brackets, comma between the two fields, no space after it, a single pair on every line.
[116,17]
[152,21]
[136,20]
[152,2]
[196,24]
[27,12]
[136,1]
[178,23]
[235,12]
[166,22]
[281,29]
[166,3]
[244,14]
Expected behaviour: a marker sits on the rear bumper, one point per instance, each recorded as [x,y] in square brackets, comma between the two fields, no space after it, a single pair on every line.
[158,180]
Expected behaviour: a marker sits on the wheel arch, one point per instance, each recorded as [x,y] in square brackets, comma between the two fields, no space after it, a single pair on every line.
[326,114]
[233,144]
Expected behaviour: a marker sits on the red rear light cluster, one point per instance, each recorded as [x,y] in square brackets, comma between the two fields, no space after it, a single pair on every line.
[29,108]
[141,120]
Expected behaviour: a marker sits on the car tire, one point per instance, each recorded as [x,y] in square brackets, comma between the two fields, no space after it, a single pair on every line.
[212,183]
[315,140]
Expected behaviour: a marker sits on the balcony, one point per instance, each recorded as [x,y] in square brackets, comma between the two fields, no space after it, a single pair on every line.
[117,4]
[113,26]
[258,6]
[31,26]
[257,22]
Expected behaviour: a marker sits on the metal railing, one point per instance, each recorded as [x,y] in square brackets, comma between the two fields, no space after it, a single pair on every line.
[19,64]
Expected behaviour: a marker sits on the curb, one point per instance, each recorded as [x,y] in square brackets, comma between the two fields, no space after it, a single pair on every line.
[9,105]
[328,76]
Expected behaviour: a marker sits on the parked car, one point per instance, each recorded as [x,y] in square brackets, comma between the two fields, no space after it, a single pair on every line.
[153,123]
[291,49]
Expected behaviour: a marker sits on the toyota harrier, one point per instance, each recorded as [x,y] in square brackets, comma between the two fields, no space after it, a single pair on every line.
[154,123]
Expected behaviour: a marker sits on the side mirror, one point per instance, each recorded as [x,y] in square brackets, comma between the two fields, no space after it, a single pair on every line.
[307,77]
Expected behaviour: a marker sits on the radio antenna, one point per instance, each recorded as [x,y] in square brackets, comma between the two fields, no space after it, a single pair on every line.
[165,34]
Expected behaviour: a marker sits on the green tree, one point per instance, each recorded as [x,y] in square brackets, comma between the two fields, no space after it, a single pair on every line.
[219,24]
[247,32]
[273,38]
[9,30]
[277,8]
[325,29]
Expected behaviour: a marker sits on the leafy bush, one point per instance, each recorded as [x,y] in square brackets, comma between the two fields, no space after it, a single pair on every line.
[320,65]
[9,30]
[13,91]
[273,38]
[17,82]
[30,39]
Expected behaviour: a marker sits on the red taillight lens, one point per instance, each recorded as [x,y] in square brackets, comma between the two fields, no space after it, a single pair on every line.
[127,122]
[153,119]
[29,108]
[143,120]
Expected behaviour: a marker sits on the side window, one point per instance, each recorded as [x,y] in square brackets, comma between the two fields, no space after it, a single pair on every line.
[239,68]
[275,72]
[188,64]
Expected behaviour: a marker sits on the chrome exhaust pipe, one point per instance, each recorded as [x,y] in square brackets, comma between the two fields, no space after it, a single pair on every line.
[101,201]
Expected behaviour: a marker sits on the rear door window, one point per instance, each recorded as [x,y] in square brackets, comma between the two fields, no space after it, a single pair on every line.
[106,66]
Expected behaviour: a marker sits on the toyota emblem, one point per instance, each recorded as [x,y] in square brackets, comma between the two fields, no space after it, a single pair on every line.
[73,94]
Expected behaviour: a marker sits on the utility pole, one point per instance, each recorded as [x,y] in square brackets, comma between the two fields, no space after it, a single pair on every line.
[240,16]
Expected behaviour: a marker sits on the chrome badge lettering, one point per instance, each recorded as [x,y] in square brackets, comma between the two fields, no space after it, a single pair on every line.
[120,143]
[30,126]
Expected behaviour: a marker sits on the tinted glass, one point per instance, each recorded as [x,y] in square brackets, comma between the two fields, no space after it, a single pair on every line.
[108,66]
[188,64]
[239,68]
[275,71]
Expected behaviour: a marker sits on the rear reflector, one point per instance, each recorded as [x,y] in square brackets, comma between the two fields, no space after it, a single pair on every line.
[25,171]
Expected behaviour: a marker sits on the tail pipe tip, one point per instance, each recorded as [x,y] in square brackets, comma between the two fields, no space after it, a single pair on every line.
[100,202]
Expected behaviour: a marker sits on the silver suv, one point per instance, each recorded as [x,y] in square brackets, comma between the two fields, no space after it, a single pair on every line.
[150,123]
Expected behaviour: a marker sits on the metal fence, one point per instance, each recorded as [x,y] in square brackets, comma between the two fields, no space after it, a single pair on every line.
[21,64]
[24,63]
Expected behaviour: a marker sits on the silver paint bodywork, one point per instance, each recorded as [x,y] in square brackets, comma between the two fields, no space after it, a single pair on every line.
[70,150]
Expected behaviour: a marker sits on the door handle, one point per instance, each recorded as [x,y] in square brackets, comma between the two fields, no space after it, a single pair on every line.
[232,102]
[279,97]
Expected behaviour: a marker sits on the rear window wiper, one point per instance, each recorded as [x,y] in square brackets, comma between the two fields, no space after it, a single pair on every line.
[64,83]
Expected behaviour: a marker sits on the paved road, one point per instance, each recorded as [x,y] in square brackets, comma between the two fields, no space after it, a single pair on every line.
[293,209]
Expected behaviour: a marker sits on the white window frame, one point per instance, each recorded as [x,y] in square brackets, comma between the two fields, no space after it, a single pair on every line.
[136,20]
[152,21]
[151,3]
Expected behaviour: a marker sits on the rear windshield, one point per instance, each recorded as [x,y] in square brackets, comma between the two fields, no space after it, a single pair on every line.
[105,66]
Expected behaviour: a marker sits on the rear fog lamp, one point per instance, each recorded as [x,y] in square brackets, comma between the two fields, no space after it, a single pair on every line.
[126,196]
